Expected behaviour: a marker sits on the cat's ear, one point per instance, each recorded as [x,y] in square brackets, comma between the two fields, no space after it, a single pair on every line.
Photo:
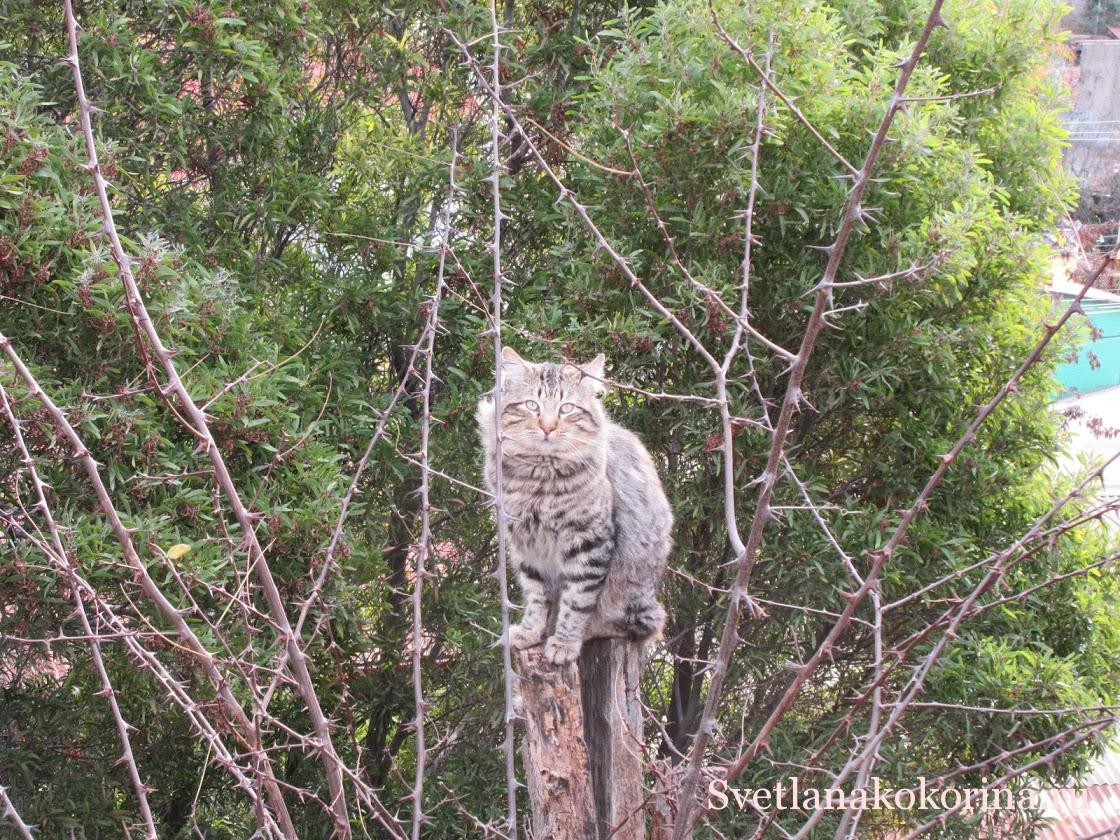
[513,366]
[595,372]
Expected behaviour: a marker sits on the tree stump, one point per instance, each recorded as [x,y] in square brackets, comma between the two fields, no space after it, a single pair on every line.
[583,747]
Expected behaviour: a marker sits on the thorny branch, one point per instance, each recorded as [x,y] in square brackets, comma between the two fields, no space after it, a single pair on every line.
[424,549]
[107,690]
[12,815]
[195,422]
[686,802]
[867,584]
[173,687]
[496,329]
[235,732]
[170,612]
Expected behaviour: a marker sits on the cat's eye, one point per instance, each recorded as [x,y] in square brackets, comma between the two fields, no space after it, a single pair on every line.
[530,405]
[567,408]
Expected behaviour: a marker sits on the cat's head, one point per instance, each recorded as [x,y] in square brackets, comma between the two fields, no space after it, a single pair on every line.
[551,409]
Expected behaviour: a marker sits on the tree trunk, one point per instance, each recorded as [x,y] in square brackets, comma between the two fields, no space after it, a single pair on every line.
[583,747]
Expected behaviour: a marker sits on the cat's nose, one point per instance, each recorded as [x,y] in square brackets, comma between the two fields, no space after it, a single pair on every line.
[549,424]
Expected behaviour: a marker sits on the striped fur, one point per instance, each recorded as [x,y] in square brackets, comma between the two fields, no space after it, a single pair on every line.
[587,521]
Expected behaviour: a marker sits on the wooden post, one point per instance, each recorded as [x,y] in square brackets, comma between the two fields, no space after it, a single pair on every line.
[583,748]
[554,750]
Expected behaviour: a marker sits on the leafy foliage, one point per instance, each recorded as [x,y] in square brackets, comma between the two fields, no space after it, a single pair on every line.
[279,172]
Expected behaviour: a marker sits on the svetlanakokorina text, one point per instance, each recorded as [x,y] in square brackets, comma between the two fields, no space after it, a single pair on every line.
[789,795]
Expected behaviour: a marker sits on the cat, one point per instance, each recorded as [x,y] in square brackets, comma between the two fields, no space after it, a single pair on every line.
[588,525]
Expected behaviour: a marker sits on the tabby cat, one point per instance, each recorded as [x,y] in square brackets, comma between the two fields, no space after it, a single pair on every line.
[587,523]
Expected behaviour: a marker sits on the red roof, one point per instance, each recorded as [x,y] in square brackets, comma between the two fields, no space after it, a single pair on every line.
[1082,814]
[1091,812]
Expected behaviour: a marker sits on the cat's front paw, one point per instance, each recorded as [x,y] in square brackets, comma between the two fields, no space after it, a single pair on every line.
[560,652]
[521,637]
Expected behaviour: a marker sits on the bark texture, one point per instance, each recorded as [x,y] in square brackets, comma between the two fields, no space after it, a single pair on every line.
[583,743]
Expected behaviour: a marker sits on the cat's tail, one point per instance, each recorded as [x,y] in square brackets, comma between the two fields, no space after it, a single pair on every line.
[642,620]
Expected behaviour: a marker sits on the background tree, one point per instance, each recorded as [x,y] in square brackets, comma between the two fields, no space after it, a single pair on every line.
[280,173]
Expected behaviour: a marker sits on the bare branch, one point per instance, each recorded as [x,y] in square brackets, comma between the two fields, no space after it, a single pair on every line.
[1042,761]
[686,802]
[196,423]
[767,80]
[13,817]
[497,105]
[170,612]
[425,546]
[80,609]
